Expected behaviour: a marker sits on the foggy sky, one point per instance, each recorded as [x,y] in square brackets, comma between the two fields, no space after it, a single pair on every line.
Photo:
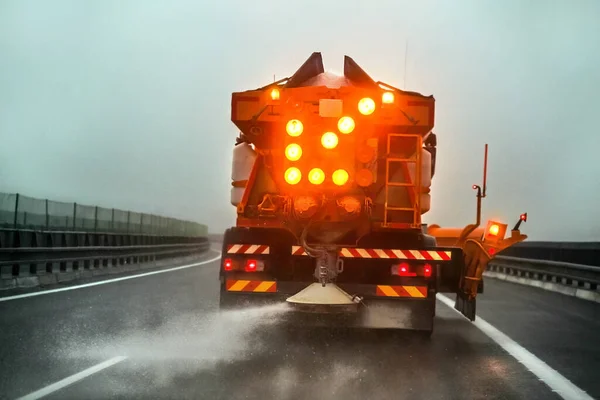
[125,104]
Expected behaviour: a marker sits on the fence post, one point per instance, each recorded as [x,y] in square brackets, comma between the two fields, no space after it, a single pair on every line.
[112,221]
[96,219]
[16,211]
[74,214]
[47,216]
[128,216]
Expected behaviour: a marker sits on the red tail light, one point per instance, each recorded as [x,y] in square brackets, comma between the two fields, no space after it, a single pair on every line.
[250,265]
[402,269]
[228,265]
[427,270]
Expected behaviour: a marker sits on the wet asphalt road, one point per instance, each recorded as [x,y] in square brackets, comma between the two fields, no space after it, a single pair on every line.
[177,348]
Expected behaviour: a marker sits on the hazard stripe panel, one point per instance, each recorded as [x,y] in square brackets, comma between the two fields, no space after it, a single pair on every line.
[298,251]
[426,255]
[350,252]
[239,285]
[248,249]
[401,291]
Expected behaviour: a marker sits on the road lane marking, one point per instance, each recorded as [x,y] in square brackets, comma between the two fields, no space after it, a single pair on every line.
[38,394]
[124,278]
[551,377]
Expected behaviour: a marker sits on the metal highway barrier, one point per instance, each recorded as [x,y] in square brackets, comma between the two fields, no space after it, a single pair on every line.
[577,280]
[34,266]
[43,242]
[584,253]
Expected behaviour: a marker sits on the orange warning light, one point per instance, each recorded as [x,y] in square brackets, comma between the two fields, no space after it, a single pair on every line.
[494,229]
[293,175]
[346,125]
[294,127]
[494,232]
[329,140]
[275,94]
[316,176]
[366,106]
[293,152]
[387,97]
[340,177]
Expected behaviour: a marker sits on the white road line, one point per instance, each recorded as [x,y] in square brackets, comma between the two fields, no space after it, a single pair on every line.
[162,271]
[72,379]
[551,377]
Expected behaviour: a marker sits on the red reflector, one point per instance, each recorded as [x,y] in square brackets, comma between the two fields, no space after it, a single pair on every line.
[250,265]
[523,217]
[228,265]
[427,270]
[492,251]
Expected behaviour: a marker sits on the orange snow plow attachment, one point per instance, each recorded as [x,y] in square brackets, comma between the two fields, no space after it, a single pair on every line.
[478,250]
[479,247]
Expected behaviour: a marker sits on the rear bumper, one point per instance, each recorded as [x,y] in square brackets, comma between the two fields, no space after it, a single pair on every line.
[373,312]
[263,284]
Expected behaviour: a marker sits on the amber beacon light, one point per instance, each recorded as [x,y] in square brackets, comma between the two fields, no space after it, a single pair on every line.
[387,98]
[293,175]
[366,106]
[293,152]
[316,176]
[329,140]
[346,125]
[294,127]
[275,94]
[340,177]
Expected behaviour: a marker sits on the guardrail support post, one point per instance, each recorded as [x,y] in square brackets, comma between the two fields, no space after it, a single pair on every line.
[74,214]
[16,211]
[112,221]
[128,216]
[96,219]
[47,216]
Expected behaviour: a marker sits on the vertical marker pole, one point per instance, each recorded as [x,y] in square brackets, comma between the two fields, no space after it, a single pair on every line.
[485,160]
[405,62]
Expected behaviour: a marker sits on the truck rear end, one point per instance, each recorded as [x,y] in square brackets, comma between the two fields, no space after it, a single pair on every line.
[383,287]
[331,175]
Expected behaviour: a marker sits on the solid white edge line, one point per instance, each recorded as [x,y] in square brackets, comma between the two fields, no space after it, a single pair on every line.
[551,377]
[45,391]
[124,278]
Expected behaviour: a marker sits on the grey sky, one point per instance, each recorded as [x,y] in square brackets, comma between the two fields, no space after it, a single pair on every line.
[126,103]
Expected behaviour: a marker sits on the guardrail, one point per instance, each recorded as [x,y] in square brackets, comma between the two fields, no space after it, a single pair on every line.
[16,238]
[39,266]
[584,253]
[577,280]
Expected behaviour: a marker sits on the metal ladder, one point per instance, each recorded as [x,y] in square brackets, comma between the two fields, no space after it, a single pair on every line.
[413,188]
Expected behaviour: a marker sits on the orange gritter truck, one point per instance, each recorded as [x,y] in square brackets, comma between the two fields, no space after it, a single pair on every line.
[330,177]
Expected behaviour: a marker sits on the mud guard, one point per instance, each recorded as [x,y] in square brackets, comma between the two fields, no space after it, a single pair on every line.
[466,306]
